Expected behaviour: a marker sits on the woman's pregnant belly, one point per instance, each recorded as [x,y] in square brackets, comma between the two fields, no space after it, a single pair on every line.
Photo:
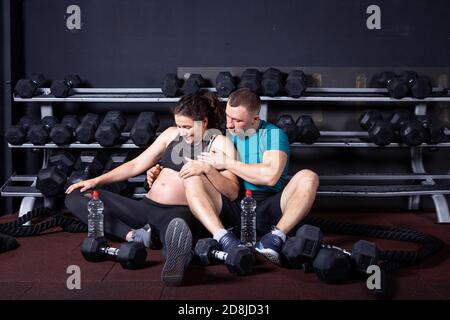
[168,188]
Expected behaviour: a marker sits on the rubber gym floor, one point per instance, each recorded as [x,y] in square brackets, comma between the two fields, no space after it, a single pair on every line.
[38,270]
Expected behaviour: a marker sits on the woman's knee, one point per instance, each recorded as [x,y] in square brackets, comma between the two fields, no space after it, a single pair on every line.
[192,182]
[75,200]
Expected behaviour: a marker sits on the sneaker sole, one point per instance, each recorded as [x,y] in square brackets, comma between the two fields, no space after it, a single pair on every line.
[178,251]
[270,254]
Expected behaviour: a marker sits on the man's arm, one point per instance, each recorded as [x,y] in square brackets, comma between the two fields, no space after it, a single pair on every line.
[266,173]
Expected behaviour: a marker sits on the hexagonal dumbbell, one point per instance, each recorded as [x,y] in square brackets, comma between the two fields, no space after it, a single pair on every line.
[88,165]
[115,160]
[409,130]
[433,133]
[225,84]
[251,79]
[17,134]
[239,261]
[109,131]
[144,128]
[131,255]
[397,87]
[295,83]
[332,264]
[287,123]
[64,88]
[64,132]
[380,131]
[272,82]
[308,131]
[171,86]
[51,180]
[28,88]
[85,132]
[193,84]
[39,134]
[419,87]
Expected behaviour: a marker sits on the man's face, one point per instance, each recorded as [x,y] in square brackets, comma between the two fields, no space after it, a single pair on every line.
[239,119]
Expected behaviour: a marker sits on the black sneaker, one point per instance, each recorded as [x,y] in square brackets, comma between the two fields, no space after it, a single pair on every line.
[270,247]
[178,247]
[229,241]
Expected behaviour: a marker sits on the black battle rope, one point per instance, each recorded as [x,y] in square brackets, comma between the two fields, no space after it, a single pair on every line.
[393,258]
[17,229]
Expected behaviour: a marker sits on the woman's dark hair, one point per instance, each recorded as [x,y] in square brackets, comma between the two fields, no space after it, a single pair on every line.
[199,106]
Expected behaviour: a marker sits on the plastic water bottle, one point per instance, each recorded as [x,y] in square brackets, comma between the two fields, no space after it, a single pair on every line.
[95,216]
[248,219]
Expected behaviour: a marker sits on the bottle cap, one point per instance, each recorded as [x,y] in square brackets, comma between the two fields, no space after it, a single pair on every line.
[95,194]
[248,193]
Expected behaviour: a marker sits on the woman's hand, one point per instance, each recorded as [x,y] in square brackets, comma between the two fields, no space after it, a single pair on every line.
[84,185]
[153,173]
[194,168]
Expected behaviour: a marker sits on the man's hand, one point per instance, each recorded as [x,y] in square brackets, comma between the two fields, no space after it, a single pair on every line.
[153,173]
[194,168]
[216,158]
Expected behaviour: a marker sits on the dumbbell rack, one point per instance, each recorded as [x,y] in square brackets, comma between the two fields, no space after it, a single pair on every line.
[329,139]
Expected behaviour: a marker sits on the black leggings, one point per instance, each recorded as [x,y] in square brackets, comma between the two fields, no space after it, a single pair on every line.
[121,214]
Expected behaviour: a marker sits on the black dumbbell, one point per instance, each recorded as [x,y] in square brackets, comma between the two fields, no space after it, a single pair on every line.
[193,84]
[39,134]
[308,131]
[63,133]
[333,264]
[379,130]
[433,133]
[88,165]
[131,255]
[28,88]
[115,160]
[51,180]
[17,134]
[239,260]
[64,88]
[225,84]
[251,79]
[144,128]
[397,87]
[272,82]
[287,123]
[419,87]
[307,244]
[109,131]
[406,128]
[171,86]
[295,83]
[85,132]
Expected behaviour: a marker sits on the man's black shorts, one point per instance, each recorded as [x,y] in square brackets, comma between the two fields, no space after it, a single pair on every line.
[268,211]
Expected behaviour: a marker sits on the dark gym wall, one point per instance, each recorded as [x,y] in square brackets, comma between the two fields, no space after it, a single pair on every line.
[123,43]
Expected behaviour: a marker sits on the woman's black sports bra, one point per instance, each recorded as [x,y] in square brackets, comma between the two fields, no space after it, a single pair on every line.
[178,148]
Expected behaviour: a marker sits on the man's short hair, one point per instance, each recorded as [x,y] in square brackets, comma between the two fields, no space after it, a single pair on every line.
[246,98]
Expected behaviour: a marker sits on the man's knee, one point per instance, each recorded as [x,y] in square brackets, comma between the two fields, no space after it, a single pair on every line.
[306,178]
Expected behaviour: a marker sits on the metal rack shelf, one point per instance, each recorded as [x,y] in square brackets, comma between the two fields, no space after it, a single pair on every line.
[9,189]
[156,95]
